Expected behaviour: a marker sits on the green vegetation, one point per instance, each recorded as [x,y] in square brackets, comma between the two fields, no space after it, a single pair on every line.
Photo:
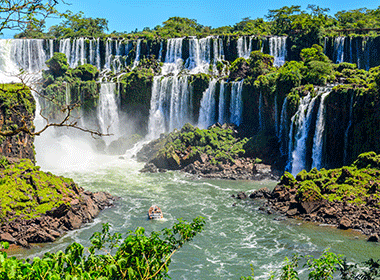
[327,266]
[79,82]
[138,256]
[304,27]
[357,183]
[220,144]
[27,192]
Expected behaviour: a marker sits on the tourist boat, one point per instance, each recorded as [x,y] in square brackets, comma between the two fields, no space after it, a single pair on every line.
[155,213]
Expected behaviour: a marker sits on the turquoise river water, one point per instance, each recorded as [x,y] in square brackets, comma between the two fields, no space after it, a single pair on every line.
[234,236]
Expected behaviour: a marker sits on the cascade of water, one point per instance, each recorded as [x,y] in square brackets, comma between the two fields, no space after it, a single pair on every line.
[97,56]
[51,47]
[261,123]
[29,54]
[244,49]
[236,105]
[160,51]
[169,106]
[283,128]
[277,48]
[346,133]
[199,55]
[319,129]
[108,54]
[339,49]
[65,47]
[173,59]
[108,112]
[138,49]
[207,109]
[222,103]
[302,120]
[8,68]
[67,94]
[218,53]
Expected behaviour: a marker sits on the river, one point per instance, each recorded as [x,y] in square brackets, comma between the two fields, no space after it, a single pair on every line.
[234,236]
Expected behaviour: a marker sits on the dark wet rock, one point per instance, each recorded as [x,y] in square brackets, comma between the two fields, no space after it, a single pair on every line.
[149,168]
[241,195]
[54,223]
[341,214]
[345,223]
[373,238]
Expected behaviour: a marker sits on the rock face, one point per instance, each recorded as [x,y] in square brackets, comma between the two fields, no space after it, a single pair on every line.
[57,221]
[16,98]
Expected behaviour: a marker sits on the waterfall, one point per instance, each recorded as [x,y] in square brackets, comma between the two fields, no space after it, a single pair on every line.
[207,109]
[283,128]
[301,120]
[339,49]
[199,55]
[29,54]
[108,57]
[67,94]
[346,133]
[108,111]
[169,106]
[160,52]
[138,49]
[8,67]
[222,103]
[75,51]
[319,129]
[236,105]
[51,47]
[173,59]
[277,49]
[170,101]
[243,47]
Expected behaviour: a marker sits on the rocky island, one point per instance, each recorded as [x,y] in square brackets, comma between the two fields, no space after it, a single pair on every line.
[216,152]
[346,197]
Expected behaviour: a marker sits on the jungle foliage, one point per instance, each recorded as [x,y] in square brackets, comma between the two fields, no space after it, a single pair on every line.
[138,256]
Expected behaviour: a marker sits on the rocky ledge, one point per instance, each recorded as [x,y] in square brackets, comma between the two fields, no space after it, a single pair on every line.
[348,197]
[37,206]
[216,152]
[55,222]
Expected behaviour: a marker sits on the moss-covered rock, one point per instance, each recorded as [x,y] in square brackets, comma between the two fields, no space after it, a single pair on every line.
[27,192]
[353,184]
[17,108]
[57,64]
[86,72]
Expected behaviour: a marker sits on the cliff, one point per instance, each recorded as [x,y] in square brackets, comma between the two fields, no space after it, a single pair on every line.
[17,107]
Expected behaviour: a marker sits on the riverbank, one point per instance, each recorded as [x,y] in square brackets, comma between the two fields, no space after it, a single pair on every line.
[38,207]
[347,198]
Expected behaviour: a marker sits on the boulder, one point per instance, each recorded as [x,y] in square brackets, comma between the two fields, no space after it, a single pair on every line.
[373,238]
[345,223]
[7,237]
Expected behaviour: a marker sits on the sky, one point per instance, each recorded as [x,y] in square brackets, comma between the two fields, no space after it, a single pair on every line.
[125,15]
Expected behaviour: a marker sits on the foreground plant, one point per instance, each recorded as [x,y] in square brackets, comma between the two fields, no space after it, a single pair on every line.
[137,257]
[327,266]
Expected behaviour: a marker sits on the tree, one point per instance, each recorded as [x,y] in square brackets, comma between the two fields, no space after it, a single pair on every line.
[76,25]
[20,14]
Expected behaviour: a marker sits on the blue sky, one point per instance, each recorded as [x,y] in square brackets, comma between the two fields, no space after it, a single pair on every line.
[125,15]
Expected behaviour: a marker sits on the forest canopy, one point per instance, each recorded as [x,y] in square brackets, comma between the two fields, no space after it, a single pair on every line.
[288,20]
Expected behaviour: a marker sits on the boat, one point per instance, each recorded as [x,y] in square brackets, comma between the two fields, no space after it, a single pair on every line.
[155,213]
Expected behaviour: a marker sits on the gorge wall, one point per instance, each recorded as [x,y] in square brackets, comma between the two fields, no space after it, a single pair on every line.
[159,85]
[16,110]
